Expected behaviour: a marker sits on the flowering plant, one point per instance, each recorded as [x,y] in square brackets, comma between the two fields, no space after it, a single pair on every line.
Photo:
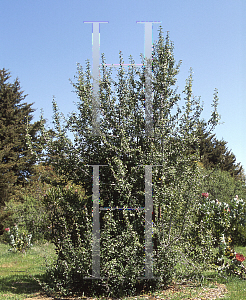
[240,257]
[238,211]
[19,241]
[230,262]
[221,217]
[215,216]
[205,195]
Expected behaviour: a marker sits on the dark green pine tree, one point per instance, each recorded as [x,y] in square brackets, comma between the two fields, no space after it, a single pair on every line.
[215,154]
[16,159]
[205,145]
[226,159]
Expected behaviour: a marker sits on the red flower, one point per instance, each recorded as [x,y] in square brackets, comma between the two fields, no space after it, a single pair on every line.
[205,195]
[240,257]
[7,229]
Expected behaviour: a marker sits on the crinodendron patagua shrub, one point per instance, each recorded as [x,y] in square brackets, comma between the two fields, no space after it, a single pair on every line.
[126,153]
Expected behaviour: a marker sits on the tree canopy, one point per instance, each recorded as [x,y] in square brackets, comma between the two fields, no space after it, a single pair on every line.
[16,160]
[214,153]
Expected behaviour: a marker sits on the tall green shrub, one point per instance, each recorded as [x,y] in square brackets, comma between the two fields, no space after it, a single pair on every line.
[125,149]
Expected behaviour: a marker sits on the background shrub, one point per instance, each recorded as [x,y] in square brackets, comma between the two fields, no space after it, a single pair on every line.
[221,218]
[31,216]
[221,185]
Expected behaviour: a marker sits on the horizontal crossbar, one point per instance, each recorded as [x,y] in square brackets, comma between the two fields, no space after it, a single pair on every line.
[122,208]
[122,65]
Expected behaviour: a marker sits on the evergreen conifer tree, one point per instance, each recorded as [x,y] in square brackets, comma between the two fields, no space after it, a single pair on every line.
[16,160]
[214,153]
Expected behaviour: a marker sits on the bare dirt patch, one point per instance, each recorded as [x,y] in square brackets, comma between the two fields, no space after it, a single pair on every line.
[217,292]
[38,296]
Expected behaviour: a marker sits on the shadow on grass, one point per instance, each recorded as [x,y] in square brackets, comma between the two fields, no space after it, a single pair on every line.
[20,284]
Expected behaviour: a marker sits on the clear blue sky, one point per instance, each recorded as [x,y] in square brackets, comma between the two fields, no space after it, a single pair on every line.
[41,41]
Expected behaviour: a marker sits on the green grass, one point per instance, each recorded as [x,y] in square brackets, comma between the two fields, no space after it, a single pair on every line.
[17,283]
[17,269]
[237,290]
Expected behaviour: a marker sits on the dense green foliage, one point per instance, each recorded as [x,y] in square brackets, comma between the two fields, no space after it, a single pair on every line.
[125,149]
[31,217]
[221,185]
[16,160]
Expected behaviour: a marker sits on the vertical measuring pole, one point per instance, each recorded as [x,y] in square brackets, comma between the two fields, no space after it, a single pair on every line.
[148,77]
[96,224]
[148,80]
[148,223]
[96,76]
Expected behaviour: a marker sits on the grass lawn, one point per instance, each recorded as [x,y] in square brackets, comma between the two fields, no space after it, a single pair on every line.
[16,282]
[16,269]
